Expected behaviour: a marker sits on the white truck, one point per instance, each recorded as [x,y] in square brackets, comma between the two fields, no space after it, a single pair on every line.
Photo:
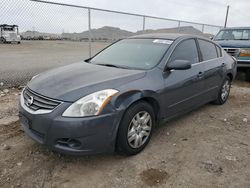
[9,33]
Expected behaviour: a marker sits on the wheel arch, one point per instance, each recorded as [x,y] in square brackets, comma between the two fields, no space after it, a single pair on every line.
[129,98]
[230,75]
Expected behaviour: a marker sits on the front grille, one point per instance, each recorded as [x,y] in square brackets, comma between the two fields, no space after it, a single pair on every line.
[37,102]
[13,36]
[232,51]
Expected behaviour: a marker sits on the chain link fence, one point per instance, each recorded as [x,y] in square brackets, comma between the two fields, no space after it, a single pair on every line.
[55,34]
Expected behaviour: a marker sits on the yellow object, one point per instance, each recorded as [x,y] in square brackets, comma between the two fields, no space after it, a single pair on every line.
[245,53]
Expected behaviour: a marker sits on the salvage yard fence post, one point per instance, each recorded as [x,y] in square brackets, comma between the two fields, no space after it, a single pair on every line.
[89,28]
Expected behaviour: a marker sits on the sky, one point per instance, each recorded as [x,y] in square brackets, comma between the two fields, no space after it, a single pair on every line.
[57,19]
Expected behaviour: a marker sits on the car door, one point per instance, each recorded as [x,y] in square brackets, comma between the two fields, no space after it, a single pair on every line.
[214,66]
[183,88]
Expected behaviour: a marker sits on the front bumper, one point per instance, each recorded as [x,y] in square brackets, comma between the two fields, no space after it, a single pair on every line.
[89,135]
[9,39]
[243,63]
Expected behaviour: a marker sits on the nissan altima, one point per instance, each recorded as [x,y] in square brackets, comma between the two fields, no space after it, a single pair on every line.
[114,100]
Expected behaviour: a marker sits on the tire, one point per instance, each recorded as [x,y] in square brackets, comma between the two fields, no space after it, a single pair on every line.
[224,91]
[134,133]
[2,40]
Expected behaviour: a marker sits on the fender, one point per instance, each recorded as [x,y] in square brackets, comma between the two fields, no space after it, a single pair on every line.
[126,99]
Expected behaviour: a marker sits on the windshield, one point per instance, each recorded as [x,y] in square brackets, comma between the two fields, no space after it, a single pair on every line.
[133,53]
[233,34]
[9,29]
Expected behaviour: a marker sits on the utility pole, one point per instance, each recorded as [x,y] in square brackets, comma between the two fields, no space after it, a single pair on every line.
[89,31]
[226,16]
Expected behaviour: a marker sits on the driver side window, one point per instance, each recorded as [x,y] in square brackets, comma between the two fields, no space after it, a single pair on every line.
[186,50]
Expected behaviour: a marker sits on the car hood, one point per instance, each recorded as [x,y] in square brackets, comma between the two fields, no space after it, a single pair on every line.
[71,82]
[234,43]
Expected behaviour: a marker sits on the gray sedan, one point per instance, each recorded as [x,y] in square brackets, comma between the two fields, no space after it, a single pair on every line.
[114,100]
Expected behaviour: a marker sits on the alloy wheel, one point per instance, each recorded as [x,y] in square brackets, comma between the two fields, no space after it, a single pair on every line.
[139,129]
[225,90]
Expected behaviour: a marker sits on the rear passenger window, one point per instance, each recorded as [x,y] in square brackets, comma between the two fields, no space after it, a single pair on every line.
[208,50]
[186,50]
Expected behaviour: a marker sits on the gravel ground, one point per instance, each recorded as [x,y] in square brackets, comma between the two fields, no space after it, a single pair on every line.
[209,147]
[18,63]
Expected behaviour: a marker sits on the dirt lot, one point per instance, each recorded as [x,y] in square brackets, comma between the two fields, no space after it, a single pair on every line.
[18,63]
[209,147]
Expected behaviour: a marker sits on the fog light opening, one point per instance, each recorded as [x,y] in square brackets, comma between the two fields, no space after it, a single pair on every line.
[74,143]
[68,142]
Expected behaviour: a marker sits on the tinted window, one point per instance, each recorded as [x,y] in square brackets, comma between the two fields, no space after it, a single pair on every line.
[133,53]
[208,50]
[186,50]
[9,29]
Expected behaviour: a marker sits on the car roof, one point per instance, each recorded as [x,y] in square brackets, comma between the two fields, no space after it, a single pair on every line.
[169,36]
[229,28]
[6,25]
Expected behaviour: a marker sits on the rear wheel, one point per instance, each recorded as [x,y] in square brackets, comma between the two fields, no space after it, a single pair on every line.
[135,129]
[224,91]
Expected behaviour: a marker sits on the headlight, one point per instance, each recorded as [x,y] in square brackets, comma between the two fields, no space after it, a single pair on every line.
[245,52]
[90,105]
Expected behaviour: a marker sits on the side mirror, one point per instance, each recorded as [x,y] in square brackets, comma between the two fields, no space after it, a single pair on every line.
[179,65]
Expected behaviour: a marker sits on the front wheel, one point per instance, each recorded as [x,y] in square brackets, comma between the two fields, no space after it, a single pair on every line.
[2,40]
[224,91]
[135,129]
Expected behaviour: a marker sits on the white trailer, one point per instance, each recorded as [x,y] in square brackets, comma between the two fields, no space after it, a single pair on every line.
[9,33]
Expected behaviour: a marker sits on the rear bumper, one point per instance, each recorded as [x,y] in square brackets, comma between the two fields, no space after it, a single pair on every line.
[89,135]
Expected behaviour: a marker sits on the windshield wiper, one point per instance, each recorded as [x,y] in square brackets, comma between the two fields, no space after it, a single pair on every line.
[111,65]
[242,39]
[222,39]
